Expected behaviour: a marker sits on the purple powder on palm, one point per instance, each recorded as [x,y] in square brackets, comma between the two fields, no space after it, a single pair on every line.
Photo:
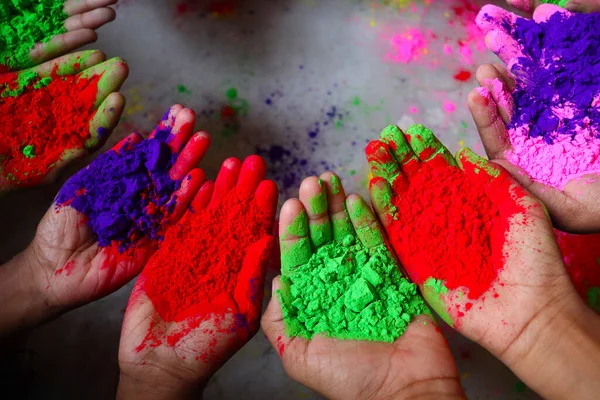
[127,194]
[558,84]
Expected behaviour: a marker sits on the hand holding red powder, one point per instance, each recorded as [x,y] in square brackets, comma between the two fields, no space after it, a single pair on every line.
[416,364]
[198,300]
[65,266]
[483,252]
[563,174]
[55,113]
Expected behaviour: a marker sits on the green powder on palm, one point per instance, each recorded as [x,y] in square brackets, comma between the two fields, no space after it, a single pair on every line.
[349,292]
[23,23]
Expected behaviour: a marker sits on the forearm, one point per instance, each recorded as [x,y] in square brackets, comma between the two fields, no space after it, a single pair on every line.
[558,354]
[21,304]
[148,388]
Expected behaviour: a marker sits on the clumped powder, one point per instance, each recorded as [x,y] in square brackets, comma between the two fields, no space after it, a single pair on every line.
[127,194]
[348,292]
[23,23]
[555,128]
[212,263]
[42,119]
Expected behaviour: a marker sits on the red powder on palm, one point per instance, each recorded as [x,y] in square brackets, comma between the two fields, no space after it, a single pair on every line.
[212,263]
[39,125]
[447,228]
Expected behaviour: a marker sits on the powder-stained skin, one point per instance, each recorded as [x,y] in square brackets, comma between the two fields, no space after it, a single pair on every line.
[23,23]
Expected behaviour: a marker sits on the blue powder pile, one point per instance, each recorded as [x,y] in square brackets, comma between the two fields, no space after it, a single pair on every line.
[560,72]
[127,195]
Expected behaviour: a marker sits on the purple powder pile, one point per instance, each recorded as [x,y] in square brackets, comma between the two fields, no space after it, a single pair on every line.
[125,195]
[561,92]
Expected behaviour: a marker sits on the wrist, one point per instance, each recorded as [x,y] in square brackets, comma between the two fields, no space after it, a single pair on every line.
[558,353]
[152,386]
[22,303]
[448,388]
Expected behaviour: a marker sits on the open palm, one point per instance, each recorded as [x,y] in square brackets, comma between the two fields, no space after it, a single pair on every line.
[417,363]
[71,267]
[174,358]
[574,207]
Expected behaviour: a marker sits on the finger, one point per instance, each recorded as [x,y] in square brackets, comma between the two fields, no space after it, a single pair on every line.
[191,155]
[112,75]
[272,321]
[293,236]
[394,138]
[62,44]
[383,165]
[505,47]
[73,7]
[314,198]
[365,224]
[341,226]
[491,18]
[67,157]
[186,193]
[105,120]
[182,130]
[478,168]
[509,82]
[70,64]
[168,120]
[90,20]
[202,198]
[252,173]
[249,290]
[488,76]
[544,11]
[266,197]
[490,125]
[523,5]
[427,146]
[127,142]
[226,179]
[382,199]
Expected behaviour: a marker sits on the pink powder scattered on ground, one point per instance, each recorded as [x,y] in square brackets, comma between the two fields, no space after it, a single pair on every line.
[413,109]
[408,46]
[558,163]
[449,106]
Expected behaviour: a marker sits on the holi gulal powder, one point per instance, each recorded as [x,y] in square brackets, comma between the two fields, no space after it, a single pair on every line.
[23,23]
[42,119]
[581,254]
[212,263]
[348,292]
[444,225]
[555,128]
[125,195]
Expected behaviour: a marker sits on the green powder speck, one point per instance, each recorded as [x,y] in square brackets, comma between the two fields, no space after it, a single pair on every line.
[593,298]
[29,151]
[347,292]
[183,89]
[520,387]
[351,172]
[231,93]
[437,285]
[23,23]
[336,184]
[24,79]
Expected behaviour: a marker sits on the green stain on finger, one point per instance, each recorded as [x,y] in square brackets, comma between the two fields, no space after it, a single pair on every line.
[394,138]
[298,227]
[479,163]
[294,254]
[433,291]
[366,226]
[437,285]
[341,227]
[318,203]
[336,184]
[28,151]
[426,145]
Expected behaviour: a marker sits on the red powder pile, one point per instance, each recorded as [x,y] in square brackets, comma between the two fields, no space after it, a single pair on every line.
[447,228]
[38,125]
[212,263]
[581,254]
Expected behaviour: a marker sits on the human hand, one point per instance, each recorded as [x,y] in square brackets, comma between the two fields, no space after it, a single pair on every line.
[551,171]
[199,298]
[492,269]
[36,33]
[416,364]
[94,105]
[586,6]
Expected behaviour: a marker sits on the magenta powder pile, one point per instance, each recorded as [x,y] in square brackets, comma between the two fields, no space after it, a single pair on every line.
[555,128]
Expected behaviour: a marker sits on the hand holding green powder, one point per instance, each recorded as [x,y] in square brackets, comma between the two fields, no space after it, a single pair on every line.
[338,276]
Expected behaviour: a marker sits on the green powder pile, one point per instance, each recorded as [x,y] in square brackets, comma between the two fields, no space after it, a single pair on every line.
[348,292]
[23,23]
[560,3]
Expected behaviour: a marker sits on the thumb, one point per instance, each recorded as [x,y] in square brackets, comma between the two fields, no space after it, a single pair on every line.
[272,321]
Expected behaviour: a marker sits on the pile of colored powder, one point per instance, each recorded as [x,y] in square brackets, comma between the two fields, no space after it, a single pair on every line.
[41,120]
[125,195]
[348,292]
[212,263]
[23,23]
[581,254]
[555,128]
[446,226]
